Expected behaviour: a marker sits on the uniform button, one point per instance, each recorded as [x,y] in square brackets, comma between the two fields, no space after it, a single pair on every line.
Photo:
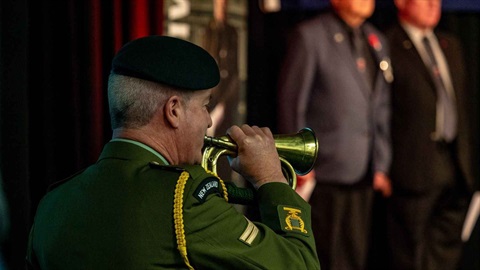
[223,53]
[338,37]
[223,73]
[407,44]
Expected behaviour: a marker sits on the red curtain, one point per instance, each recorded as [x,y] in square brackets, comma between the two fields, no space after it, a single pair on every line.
[55,61]
[130,20]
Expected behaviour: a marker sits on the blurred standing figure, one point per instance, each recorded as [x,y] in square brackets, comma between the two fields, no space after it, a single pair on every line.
[221,41]
[335,79]
[431,171]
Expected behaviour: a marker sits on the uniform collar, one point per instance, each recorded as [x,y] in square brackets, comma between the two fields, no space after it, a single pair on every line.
[127,150]
[414,33]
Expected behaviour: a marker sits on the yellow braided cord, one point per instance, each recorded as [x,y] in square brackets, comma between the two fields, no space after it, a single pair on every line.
[225,192]
[178,213]
[224,188]
[178,217]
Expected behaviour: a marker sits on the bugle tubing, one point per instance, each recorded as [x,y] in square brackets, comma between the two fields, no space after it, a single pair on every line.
[297,152]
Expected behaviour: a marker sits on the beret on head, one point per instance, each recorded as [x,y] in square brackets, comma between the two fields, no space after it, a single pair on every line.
[167,60]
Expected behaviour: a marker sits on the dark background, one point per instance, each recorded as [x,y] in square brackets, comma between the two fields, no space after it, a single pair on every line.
[54,61]
[448,5]
[267,42]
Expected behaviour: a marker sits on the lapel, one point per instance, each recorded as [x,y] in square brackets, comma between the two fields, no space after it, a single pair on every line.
[450,56]
[413,56]
[340,41]
[383,67]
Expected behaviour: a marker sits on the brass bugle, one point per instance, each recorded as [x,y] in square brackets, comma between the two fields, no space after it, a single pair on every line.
[297,152]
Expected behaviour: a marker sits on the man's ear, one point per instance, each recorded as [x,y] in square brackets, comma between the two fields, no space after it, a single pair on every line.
[173,111]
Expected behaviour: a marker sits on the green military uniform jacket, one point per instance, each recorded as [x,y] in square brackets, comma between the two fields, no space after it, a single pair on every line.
[118,214]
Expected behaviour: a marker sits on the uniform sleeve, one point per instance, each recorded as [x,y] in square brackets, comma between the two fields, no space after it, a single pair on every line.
[30,259]
[217,235]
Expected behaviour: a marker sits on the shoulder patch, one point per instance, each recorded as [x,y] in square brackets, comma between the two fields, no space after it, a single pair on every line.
[291,219]
[208,186]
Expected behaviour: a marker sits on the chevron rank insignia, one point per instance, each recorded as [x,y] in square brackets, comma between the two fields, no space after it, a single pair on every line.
[249,234]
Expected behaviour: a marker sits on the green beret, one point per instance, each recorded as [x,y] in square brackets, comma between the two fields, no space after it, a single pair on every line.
[167,60]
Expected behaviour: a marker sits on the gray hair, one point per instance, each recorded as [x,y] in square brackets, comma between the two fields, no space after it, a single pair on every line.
[134,101]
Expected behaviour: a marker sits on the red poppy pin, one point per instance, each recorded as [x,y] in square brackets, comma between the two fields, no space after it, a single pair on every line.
[374,42]
[443,43]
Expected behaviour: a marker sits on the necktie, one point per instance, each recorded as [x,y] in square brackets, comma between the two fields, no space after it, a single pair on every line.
[362,55]
[446,110]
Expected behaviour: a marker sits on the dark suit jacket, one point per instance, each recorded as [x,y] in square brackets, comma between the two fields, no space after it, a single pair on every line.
[118,214]
[418,162]
[321,88]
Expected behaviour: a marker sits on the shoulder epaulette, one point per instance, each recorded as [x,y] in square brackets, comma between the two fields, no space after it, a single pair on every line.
[208,183]
[63,181]
[157,165]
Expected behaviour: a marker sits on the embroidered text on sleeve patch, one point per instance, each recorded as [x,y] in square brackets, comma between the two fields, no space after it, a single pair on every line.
[291,220]
[249,234]
[207,187]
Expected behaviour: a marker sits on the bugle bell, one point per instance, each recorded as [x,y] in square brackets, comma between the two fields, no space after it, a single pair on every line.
[297,152]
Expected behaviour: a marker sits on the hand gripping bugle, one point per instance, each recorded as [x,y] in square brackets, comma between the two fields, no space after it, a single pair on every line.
[297,153]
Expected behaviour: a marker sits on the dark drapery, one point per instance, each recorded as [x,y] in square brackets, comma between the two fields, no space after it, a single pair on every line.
[55,59]
[54,62]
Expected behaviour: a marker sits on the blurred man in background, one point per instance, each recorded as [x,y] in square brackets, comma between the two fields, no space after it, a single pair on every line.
[335,79]
[431,169]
